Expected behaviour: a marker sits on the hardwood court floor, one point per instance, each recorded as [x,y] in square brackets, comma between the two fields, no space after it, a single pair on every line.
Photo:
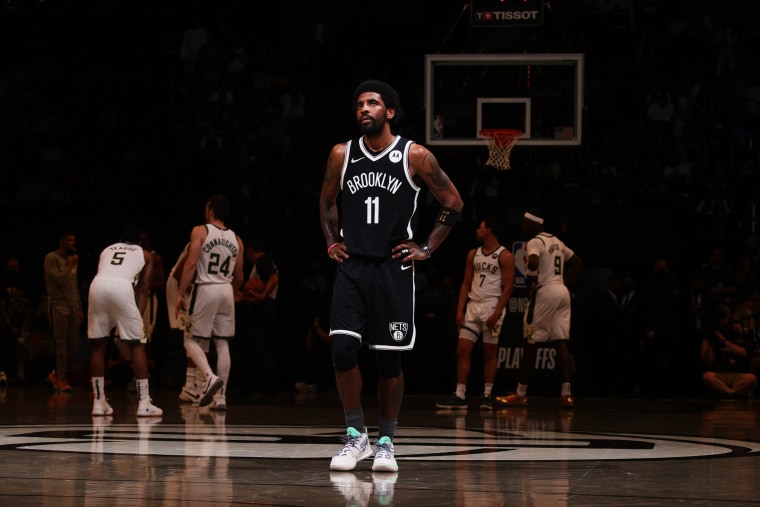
[606,452]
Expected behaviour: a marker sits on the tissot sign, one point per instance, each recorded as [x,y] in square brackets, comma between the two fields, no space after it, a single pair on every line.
[505,13]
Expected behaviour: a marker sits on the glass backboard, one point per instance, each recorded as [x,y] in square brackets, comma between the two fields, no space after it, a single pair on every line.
[539,94]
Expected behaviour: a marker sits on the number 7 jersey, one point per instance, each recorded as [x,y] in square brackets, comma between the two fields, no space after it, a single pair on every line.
[378,198]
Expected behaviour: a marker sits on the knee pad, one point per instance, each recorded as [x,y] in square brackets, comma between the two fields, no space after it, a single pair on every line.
[388,363]
[345,351]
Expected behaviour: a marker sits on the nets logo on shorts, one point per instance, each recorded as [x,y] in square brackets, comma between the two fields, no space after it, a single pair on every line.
[398,330]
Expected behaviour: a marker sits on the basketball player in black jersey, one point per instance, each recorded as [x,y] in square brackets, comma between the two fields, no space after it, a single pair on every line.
[375,242]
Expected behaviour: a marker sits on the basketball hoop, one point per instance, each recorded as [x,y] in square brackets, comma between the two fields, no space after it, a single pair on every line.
[500,143]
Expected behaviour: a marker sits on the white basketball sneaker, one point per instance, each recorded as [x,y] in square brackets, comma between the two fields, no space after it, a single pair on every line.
[148,409]
[101,407]
[356,447]
[385,459]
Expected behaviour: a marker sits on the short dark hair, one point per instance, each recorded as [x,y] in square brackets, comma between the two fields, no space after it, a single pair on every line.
[220,206]
[494,224]
[130,234]
[387,92]
[63,231]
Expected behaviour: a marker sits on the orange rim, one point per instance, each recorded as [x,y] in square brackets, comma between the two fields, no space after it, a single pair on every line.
[502,137]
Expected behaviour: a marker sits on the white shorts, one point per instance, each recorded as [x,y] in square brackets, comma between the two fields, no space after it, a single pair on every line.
[149,317]
[111,303]
[212,311]
[475,315]
[551,315]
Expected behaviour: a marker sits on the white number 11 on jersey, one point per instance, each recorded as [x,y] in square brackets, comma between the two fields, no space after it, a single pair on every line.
[373,210]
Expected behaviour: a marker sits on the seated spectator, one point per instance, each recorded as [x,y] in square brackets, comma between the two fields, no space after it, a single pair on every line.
[727,356]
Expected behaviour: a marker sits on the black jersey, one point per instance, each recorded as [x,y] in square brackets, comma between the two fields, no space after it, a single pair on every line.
[378,198]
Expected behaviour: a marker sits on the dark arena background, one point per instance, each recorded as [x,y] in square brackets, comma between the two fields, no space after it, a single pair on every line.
[641,150]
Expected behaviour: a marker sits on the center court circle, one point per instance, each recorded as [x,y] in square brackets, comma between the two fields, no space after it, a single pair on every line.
[321,442]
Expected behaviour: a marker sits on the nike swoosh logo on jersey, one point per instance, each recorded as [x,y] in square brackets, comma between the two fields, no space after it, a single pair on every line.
[354,160]
[404,267]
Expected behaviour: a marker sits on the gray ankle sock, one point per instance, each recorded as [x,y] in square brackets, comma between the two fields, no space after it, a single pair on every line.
[387,427]
[355,419]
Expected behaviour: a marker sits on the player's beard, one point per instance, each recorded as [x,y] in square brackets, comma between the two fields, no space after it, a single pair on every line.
[374,128]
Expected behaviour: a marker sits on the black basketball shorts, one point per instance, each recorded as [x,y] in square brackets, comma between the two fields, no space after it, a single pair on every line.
[373,300]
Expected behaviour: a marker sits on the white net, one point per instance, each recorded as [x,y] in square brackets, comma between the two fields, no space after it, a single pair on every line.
[500,143]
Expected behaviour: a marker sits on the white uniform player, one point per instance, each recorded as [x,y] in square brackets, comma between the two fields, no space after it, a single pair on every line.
[485,291]
[551,264]
[214,265]
[150,314]
[212,314]
[548,315]
[117,292]
[112,298]
[487,284]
